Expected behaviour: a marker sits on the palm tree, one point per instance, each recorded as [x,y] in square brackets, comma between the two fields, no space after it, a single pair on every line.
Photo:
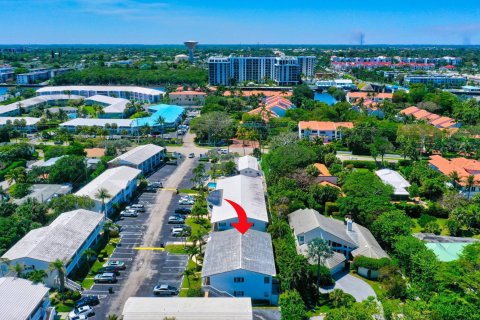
[103,194]
[89,254]
[188,273]
[470,184]
[160,121]
[37,276]
[17,269]
[59,267]
[16,175]
[192,251]
[319,250]
[106,229]
[112,317]
[455,178]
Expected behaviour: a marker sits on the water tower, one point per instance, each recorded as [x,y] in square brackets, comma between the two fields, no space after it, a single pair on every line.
[191,45]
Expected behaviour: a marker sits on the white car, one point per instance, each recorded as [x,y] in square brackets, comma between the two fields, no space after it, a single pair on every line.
[85,310]
[186,202]
[129,213]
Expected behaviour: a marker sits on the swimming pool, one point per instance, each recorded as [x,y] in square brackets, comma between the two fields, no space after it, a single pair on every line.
[212,185]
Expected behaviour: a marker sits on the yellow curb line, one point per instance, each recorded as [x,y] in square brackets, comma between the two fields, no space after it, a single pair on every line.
[149,248]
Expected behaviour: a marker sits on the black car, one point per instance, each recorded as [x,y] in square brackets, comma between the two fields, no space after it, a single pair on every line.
[112,269]
[183,210]
[150,189]
[89,300]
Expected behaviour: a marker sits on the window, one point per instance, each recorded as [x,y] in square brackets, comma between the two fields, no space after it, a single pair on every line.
[239,279]
[301,239]
[266,280]
[238,293]
[222,224]
[265,294]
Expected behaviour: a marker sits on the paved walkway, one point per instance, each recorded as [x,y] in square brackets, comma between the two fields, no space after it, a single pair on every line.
[358,288]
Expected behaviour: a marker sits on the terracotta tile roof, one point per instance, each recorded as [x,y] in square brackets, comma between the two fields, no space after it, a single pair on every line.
[370,95]
[95,152]
[409,110]
[324,125]
[421,114]
[463,166]
[266,93]
[329,184]
[322,169]
[187,93]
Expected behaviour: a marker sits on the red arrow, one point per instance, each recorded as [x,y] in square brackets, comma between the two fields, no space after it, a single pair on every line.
[242,225]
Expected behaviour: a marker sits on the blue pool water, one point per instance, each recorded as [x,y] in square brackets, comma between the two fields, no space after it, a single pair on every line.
[325,97]
[170,113]
[212,185]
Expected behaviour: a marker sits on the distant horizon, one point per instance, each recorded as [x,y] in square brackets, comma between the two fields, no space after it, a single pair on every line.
[154,22]
[246,44]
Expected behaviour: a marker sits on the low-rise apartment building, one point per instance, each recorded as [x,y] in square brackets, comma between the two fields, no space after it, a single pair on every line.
[187,98]
[66,238]
[326,130]
[439,80]
[120,182]
[24,300]
[240,265]
[144,158]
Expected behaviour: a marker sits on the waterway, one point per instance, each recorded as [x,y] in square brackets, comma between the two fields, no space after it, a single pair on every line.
[325,97]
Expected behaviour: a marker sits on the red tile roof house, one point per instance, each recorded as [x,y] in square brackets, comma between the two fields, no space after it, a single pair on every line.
[187,98]
[431,118]
[356,97]
[326,130]
[464,168]
[324,175]
[273,107]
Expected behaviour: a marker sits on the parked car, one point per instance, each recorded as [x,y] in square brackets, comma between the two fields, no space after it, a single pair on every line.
[165,290]
[183,231]
[89,300]
[112,269]
[186,202]
[191,155]
[223,151]
[157,184]
[78,317]
[138,206]
[108,277]
[183,210]
[132,208]
[129,213]
[150,189]
[176,220]
[85,310]
[115,263]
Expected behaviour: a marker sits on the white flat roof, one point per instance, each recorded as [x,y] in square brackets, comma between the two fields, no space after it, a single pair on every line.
[20,298]
[29,120]
[247,162]
[31,102]
[114,180]
[247,192]
[101,88]
[394,179]
[97,122]
[115,105]
[137,308]
[59,240]
[139,154]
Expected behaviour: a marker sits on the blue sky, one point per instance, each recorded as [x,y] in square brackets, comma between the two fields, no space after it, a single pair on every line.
[241,21]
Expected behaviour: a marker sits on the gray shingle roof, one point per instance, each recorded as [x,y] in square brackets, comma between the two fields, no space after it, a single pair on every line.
[19,298]
[60,240]
[305,220]
[230,250]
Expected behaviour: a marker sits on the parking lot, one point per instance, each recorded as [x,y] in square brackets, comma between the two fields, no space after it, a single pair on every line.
[165,268]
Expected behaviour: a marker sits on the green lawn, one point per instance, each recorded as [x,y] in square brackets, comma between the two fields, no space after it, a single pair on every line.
[441,221]
[188,191]
[200,227]
[195,281]
[90,110]
[175,248]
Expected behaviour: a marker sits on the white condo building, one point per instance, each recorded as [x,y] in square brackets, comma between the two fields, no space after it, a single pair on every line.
[283,70]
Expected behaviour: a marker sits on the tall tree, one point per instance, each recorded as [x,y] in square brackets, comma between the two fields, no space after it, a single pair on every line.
[103,194]
[319,251]
[58,266]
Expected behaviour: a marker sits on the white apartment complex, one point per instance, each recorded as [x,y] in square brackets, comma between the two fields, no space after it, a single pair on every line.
[283,70]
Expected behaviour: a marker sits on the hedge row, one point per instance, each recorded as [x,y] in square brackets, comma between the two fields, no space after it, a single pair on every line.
[370,263]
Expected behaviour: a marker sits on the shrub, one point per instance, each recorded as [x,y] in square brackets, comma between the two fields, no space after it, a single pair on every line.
[432,227]
[404,163]
[370,263]
[194,292]
[331,208]
[19,190]
[325,275]
[425,219]
[412,210]
[360,164]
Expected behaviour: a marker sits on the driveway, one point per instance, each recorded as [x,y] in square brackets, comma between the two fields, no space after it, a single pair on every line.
[358,288]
